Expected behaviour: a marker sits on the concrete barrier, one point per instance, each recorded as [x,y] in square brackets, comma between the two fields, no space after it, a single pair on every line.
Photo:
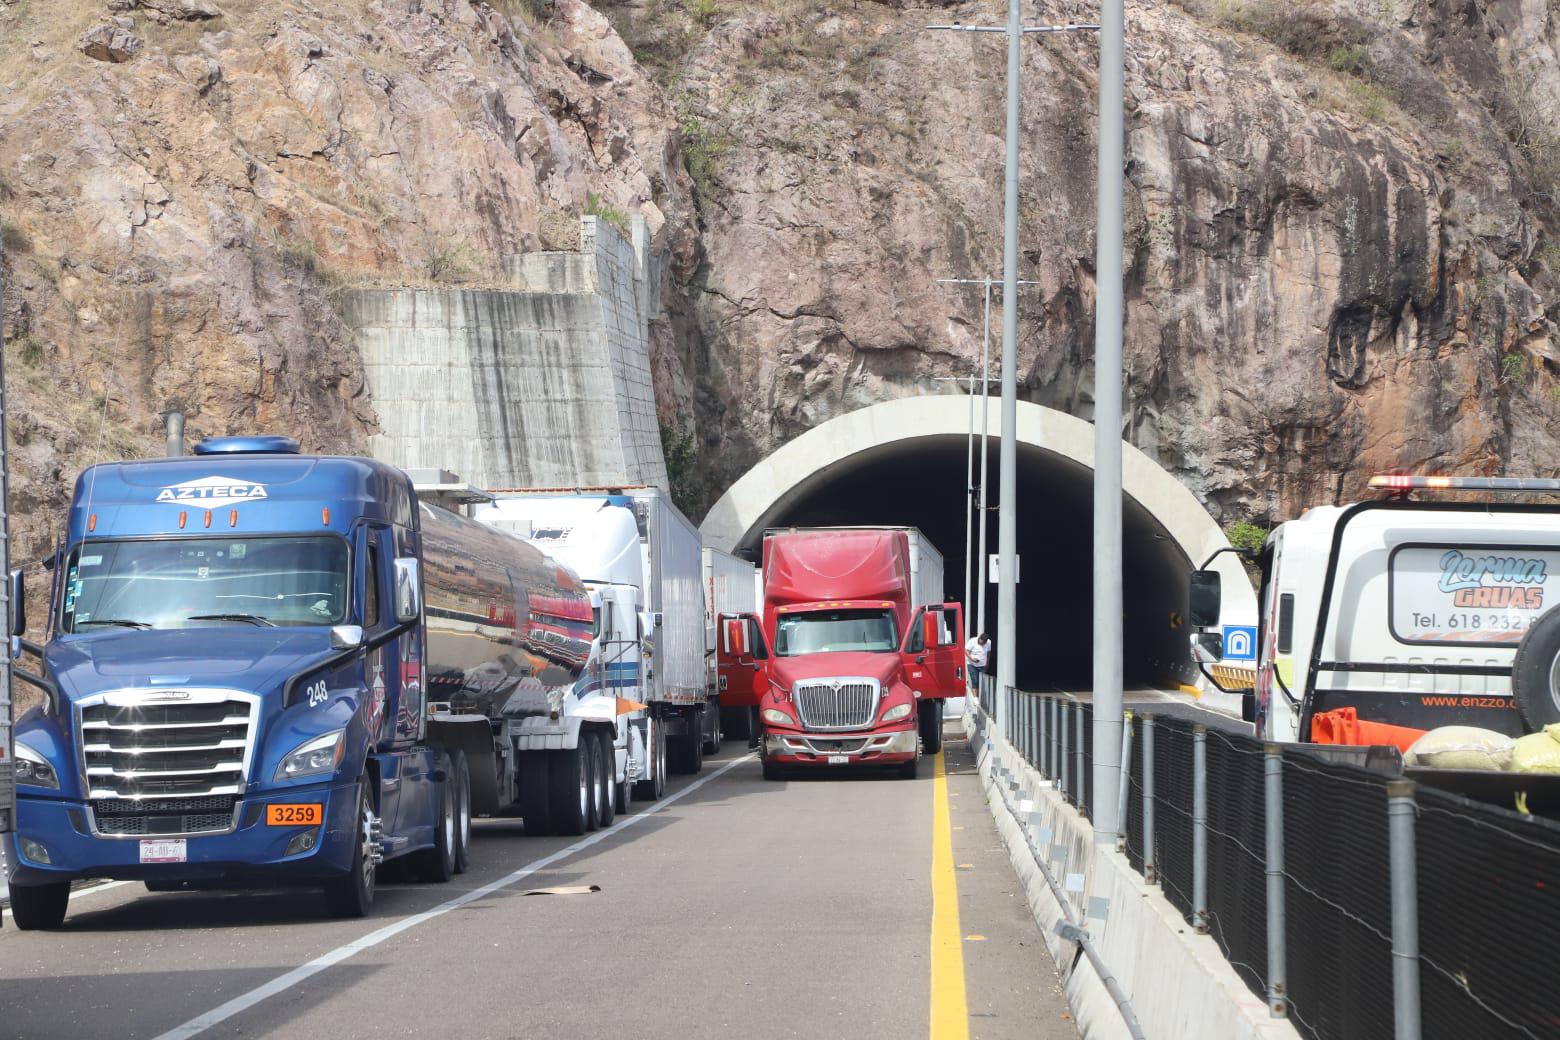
[1177,982]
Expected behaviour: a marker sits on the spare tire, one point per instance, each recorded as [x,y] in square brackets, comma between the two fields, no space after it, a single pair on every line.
[1535,673]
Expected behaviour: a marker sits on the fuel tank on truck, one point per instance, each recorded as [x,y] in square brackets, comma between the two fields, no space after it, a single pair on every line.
[509,628]
[838,564]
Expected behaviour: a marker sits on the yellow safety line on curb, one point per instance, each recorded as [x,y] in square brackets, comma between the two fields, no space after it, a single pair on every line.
[950,1014]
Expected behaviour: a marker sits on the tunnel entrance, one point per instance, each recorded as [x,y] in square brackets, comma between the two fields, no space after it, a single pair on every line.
[909,468]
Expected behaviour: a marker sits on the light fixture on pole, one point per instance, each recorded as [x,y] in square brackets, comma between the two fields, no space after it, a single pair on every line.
[1007,514]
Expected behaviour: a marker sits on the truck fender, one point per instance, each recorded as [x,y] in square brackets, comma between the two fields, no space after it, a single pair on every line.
[539,733]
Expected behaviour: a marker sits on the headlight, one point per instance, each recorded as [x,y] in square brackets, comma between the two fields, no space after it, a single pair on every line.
[896,713]
[320,755]
[33,769]
[778,717]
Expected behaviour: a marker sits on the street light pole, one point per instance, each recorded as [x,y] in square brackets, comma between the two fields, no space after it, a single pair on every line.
[1007,490]
[1108,307]
[978,490]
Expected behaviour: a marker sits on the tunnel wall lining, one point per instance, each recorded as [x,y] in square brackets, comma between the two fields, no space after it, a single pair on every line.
[786,473]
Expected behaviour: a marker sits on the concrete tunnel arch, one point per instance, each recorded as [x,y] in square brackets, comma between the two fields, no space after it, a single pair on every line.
[903,461]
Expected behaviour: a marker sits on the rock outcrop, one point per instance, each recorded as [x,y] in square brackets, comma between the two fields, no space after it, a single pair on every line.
[1340,255]
[176,225]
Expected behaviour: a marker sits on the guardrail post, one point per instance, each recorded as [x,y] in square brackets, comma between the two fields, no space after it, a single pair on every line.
[1056,761]
[1065,770]
[1273,790]
[1405,909]
[1081,770]
[1150,873]
[1200,828]
[1024,728]
[1125,782]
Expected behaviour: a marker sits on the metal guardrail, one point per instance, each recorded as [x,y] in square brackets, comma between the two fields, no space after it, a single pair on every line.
[1358,904]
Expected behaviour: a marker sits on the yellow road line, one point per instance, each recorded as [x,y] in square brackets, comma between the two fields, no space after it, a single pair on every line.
[950,1014]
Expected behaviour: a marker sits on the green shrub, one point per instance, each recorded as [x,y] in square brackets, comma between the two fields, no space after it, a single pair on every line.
[1513,368]
[595,207]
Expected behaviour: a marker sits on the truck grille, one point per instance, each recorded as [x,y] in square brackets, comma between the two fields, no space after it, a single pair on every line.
[166,768]
[836,703]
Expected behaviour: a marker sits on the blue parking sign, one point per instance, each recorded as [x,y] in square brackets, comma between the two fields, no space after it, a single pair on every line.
[1240,642]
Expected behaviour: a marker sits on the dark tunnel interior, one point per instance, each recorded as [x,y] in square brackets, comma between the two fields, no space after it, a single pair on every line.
[920,482]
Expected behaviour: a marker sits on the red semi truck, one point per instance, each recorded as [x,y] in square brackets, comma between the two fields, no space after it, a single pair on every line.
[854,653]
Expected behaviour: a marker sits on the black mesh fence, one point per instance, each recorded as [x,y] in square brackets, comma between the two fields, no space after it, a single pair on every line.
[1489,918]
[1488,879]
[1237,854]
[1134,821]
[1173,810]
[1337,900]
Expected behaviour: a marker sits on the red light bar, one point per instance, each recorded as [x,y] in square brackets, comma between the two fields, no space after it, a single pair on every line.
[1509,485]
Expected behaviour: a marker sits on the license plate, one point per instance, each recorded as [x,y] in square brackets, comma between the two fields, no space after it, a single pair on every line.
[167,850]
[294,815]
[839,760]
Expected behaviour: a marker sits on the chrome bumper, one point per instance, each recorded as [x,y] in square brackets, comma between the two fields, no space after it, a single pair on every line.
[804,745]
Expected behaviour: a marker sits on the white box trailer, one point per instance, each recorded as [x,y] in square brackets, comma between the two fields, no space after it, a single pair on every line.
[926,569]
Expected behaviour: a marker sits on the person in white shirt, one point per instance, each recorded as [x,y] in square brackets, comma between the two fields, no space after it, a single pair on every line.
[976,653]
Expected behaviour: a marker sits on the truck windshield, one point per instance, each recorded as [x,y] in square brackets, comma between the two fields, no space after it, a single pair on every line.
[193,582]
[832,631]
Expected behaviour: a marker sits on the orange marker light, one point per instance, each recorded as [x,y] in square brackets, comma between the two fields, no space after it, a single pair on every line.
[208,518]
[183,516]
[92,522]
[325,516]
[233,518]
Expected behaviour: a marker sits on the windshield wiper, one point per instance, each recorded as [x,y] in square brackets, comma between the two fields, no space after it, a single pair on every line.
[253,619]
[121,622]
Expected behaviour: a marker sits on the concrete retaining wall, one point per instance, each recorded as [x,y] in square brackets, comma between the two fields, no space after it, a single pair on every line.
[547,385]
[1178,982]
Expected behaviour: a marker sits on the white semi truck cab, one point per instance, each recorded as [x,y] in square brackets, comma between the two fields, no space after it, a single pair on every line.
[1415,610]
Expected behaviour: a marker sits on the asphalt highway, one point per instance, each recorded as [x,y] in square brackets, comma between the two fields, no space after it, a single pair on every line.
[732,907]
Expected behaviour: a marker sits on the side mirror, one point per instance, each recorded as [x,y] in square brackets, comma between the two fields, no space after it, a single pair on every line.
[1203,606]
[408,590]
[346,637]
[931,630]
[18,603]
[1207,648]
[733,633]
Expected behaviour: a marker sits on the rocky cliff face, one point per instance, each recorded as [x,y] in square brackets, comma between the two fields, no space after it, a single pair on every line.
[1339,213]
[184,185]
[1339,257]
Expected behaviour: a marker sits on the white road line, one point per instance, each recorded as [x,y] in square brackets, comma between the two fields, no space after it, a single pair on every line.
[282,983]
[78,893]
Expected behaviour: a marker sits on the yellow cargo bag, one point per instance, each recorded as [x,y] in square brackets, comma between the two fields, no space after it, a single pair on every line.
[1537,752]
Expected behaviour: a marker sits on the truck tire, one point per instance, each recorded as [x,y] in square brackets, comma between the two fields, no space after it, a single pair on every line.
[686,753]
[352,894]
[460,775]
[713,739]
[930,720]
[1535,673]
[570,783]
[40,907]
[535,792]
[654,784]
[606,802]
[437,864]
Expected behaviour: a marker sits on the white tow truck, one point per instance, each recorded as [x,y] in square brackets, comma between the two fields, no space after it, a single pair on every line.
[1430,606]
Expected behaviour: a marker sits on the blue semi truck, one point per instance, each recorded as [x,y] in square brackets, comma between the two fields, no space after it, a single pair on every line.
[264,668]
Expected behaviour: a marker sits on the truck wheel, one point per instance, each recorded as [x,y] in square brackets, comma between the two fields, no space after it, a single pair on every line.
[535,788]
[1535,673]
[438,863]
[712,741]
[570,787]
[40,907]
[353,893]
[606,803]
[460,775]
[931,725]
[654,784]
